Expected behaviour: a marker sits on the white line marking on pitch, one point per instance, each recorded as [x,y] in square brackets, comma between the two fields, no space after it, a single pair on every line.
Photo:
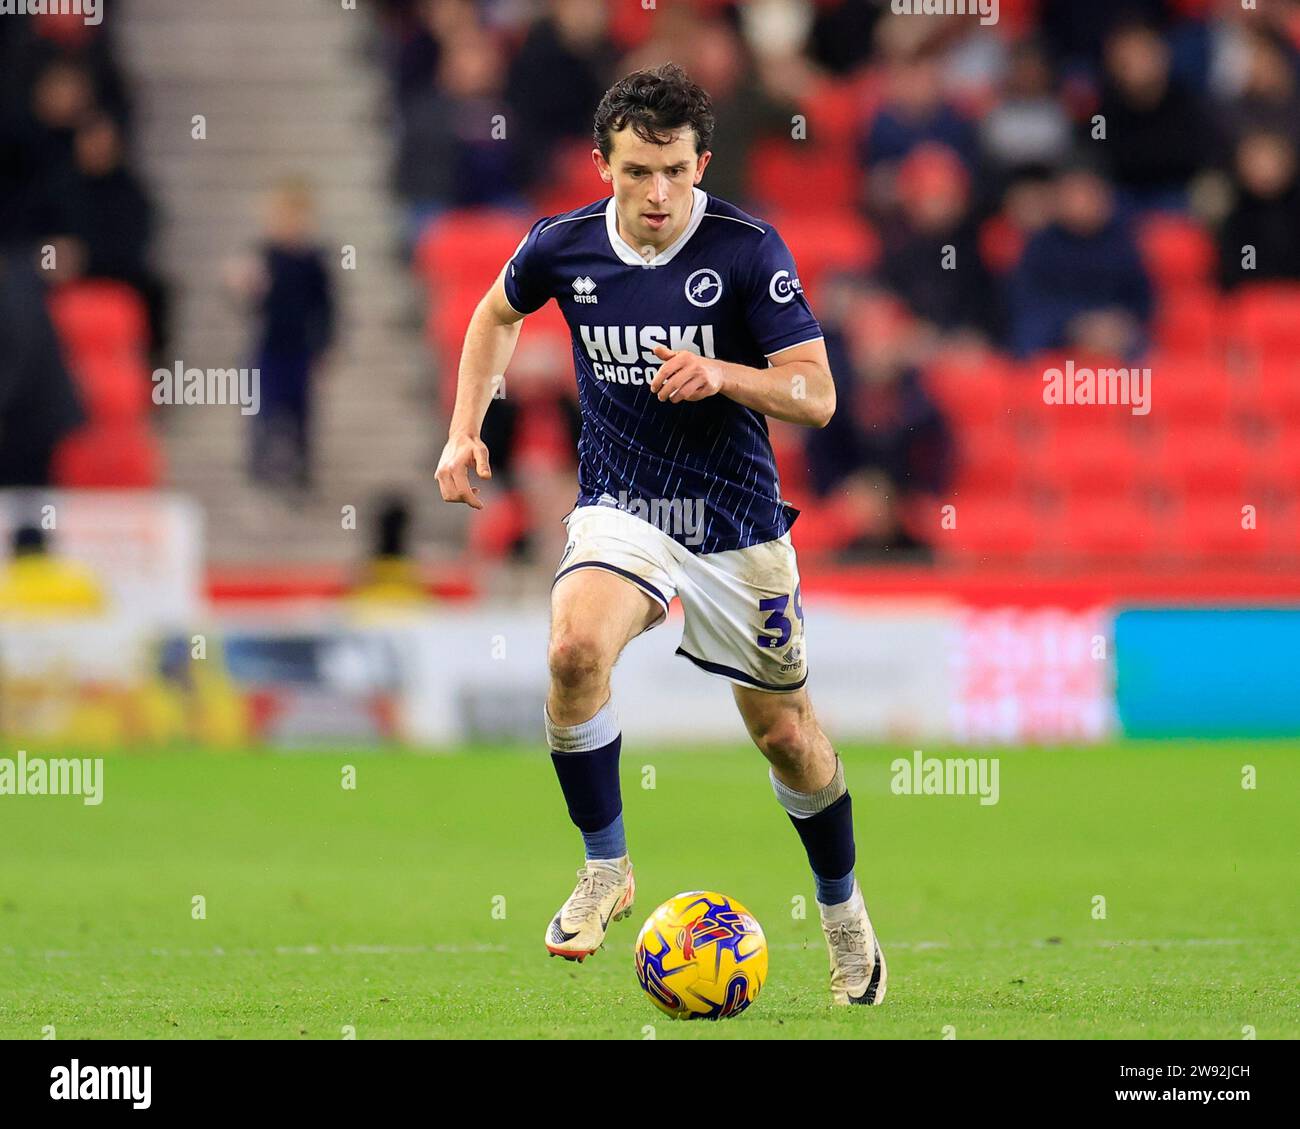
[469,950]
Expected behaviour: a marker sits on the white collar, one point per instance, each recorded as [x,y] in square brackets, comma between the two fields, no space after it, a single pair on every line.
[628,254]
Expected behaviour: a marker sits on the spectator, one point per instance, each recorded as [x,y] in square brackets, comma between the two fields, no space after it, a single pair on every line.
[1266,214]
[915,111]
[39,405]
[932,259]
[291,288]
[1076,33]
[888,447]
[47,84]
[1155,129]
[570,41]
[453,151]
[745,108]
[102,204]
[41,150]
[841,34]
[1267,98]
[1081,276]
[1028,129]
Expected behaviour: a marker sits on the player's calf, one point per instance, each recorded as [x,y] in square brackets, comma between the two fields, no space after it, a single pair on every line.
[821,811]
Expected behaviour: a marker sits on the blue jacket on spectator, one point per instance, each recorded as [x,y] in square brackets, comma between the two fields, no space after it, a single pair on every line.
[1062,275]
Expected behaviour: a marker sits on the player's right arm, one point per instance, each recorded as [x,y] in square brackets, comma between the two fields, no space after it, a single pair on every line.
[489,345]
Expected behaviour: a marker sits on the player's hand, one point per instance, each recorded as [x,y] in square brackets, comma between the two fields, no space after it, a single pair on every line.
[461,453]
[685,376]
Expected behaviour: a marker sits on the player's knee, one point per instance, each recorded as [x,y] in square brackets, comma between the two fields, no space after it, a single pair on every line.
[576,660]
[787,741]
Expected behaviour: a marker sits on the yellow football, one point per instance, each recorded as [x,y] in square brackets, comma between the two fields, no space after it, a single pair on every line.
[701,955]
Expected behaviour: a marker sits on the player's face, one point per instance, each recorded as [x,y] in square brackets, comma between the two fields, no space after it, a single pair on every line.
[652,185]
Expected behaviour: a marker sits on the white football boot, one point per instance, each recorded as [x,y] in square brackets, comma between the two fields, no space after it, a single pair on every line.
[858,973]
[603,894]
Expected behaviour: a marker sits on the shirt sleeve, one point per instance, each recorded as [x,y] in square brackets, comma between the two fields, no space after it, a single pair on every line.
[527,280]
[776,310]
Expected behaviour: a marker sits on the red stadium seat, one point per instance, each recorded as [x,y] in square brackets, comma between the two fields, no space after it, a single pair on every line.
[1211,528]
[498,527]
[1266,318]
[449,312]
[117,454]
[469,247]
[988,526]
[1275,463]
[1179,254]
[793,176]
[1189,321]
[973,388]
[837,111]
[1275,389]
[1106,529]
[987,459]
[1100,464]
[571,180]
[1189,390]
[1202,460]
[113,390]
[99,318]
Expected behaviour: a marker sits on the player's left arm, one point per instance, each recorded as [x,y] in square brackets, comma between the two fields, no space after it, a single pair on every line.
[797,387]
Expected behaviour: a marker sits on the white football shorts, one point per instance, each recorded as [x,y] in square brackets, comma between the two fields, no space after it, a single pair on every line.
[743,611]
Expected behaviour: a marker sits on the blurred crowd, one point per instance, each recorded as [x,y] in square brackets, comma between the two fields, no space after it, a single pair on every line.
[74,209]
[1005,174]
[949,188]
[83,310]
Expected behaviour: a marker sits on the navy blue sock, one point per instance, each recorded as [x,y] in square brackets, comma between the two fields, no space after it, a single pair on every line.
[586,762]
[828,839]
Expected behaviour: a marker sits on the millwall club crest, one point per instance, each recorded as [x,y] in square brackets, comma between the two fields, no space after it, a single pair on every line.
[704,287]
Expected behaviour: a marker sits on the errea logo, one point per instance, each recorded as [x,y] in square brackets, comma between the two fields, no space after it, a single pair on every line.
[783,288]
[582,291]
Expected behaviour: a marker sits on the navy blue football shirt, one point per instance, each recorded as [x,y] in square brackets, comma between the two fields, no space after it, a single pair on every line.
[726,288]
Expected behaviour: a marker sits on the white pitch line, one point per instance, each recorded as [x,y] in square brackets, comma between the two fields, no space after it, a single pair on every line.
[473,950]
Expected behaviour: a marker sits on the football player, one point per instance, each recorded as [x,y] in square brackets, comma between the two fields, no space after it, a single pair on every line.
[689,327]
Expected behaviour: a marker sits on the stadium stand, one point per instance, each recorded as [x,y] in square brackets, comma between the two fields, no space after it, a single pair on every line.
[1068,484]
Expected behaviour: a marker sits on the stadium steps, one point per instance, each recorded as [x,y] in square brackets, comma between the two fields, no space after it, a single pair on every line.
[288,88]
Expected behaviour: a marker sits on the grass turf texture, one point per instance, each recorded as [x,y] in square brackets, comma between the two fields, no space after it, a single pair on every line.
[375,907]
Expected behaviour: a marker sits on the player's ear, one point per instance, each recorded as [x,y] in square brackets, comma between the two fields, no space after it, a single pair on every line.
[704,159]
[602,166]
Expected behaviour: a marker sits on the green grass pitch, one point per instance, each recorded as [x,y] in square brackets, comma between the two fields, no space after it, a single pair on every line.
[414,905]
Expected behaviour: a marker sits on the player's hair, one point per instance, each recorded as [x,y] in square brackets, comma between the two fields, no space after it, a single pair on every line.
[657,103]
